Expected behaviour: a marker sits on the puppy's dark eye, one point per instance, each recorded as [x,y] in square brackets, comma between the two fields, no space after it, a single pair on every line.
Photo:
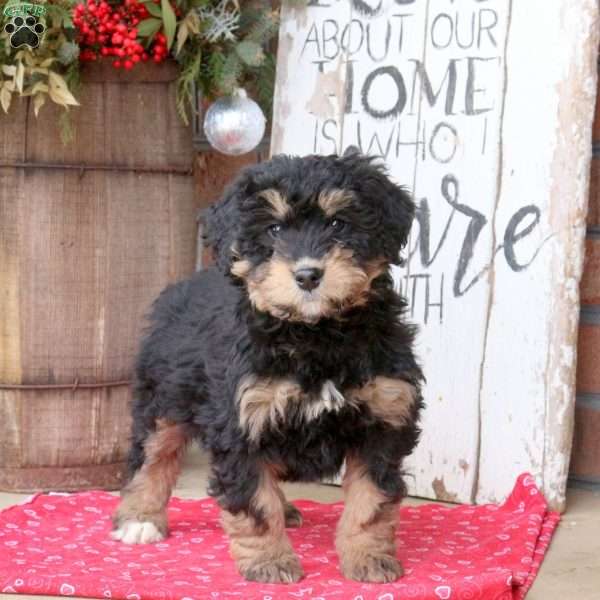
[274,230]
[336,224]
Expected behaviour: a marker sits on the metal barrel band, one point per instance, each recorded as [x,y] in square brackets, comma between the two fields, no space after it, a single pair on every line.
[589,314]
[76,385]
[169,170]
[588,400]
[593,232]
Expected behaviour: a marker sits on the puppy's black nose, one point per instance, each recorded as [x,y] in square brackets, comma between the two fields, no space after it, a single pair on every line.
[308,278]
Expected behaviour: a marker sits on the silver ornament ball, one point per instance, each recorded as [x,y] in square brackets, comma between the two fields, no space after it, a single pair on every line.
[234,124]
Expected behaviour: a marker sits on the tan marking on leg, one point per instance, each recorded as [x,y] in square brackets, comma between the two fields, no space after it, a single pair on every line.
[390,400]
[263,403]
[365,538]
[331,201]
[293,517]
[262,550]
[141,515]
[279,206]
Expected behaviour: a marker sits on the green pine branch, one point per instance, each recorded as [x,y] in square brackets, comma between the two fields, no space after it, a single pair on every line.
[265,84]
[231,74]
[191,65]
[263,29]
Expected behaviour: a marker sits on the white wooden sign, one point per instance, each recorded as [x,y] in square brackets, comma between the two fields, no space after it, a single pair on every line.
[483,108]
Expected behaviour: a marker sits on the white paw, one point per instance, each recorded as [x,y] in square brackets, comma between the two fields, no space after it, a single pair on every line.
[136,532]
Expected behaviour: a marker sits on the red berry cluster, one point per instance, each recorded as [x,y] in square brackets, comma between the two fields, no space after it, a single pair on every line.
[111,30]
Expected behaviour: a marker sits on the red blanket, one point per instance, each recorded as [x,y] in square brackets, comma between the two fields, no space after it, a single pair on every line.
[60,544]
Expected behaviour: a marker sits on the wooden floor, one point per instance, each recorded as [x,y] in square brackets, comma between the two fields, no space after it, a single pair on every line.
[571,570]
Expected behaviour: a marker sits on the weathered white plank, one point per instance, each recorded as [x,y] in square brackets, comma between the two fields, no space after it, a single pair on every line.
[456,186]
[311,75]
[483,109]
[528,385]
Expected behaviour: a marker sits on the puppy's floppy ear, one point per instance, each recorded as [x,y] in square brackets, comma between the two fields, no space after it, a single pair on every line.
[398,214]
[221,224]
[394,203]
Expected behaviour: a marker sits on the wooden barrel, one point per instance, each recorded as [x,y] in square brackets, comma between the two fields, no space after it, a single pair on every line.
[585,458]
[89,235]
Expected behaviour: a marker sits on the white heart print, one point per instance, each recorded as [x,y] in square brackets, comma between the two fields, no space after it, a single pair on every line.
[66,589]
[443,592]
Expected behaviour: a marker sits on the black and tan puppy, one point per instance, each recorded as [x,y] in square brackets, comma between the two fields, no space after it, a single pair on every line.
[288,358]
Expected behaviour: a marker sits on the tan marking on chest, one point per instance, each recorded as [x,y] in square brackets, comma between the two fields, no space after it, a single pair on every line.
[264,402]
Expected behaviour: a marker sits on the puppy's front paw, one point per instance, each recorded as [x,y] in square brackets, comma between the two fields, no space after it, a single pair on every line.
[293,517]
[375,568]
[284,569]
[137,532]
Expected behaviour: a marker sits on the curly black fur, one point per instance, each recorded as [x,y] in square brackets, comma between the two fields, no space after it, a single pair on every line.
[206,335]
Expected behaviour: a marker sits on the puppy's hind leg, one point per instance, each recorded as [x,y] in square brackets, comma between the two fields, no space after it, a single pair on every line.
[142,516]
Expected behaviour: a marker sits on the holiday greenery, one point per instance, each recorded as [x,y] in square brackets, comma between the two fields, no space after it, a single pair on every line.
[220,45]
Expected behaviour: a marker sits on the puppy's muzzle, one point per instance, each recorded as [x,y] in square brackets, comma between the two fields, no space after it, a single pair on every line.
[308,278]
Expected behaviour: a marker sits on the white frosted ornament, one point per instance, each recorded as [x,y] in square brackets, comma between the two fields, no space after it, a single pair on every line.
[234,124]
